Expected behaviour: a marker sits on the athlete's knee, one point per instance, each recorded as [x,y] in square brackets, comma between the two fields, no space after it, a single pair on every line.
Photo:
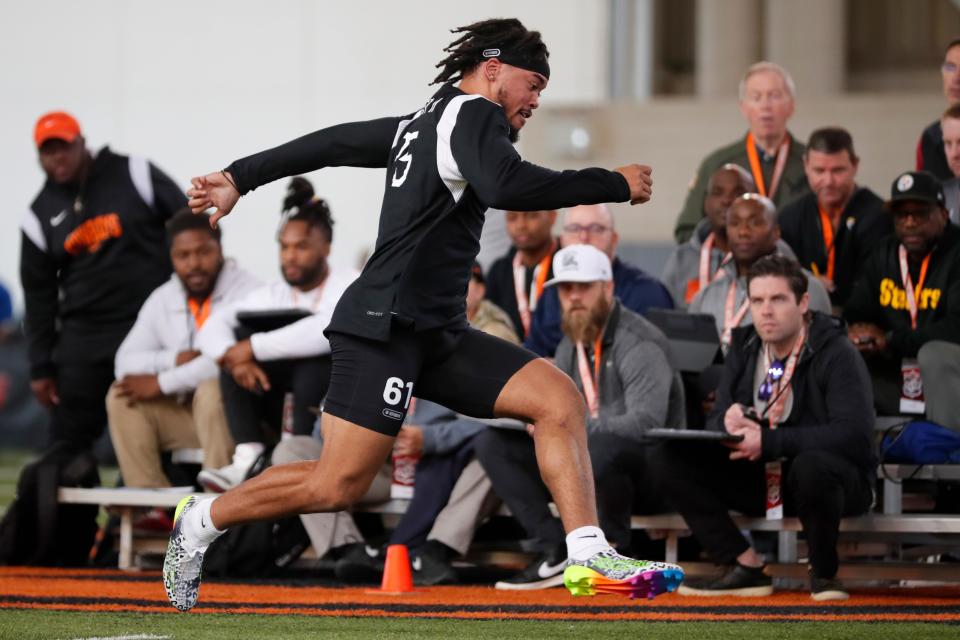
[335,491]
[564,407]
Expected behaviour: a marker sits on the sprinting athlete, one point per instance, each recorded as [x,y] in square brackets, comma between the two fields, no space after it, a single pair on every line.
[400,329]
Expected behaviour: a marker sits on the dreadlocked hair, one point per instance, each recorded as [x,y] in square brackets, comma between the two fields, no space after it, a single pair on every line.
[301,203]
[466,52]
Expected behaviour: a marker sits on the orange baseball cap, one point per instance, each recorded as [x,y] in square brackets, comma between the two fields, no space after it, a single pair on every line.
[58,125]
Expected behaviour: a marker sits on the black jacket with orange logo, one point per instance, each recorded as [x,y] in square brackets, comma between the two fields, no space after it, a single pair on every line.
[91,255]
[879,296]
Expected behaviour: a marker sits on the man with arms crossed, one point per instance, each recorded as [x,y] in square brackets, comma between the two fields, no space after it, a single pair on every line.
[400,330]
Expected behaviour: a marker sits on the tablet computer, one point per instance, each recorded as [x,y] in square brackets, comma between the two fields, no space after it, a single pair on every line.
[270,319]
[692,434]
[694,342]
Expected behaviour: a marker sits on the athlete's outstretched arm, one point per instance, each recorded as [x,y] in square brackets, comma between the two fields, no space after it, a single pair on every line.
[501,179]
[355,144]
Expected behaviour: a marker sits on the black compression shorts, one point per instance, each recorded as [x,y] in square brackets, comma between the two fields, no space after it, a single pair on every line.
[464,370]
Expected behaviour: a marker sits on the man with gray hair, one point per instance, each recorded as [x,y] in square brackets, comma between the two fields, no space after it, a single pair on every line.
[636,290]
[769,151]
[752,233]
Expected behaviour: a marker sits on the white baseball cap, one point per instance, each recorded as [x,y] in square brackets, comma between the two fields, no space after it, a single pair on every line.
[580,263]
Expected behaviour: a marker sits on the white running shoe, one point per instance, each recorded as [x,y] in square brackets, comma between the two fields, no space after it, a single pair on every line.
[182,568]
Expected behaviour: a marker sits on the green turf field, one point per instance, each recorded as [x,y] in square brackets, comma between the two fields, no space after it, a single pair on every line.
[51,624]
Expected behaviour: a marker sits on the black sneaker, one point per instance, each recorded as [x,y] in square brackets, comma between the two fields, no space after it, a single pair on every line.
[737,580]
[545,571]
[361,563]
[431,565]
[827,589]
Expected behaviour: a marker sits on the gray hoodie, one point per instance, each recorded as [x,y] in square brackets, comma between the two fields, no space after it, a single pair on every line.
[639,388]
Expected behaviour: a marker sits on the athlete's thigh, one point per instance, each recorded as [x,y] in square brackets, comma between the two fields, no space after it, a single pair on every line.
[471,378]
[352,454]
[371,382]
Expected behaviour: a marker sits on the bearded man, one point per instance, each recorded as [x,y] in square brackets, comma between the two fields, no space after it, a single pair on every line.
[620,363]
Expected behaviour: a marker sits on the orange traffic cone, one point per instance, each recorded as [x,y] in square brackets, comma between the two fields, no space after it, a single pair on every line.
[397,577]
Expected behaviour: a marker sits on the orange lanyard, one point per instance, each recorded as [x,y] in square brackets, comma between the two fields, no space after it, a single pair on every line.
[526,305]
[774,410]
[778,168]
[732,320]
[200,311]
[829,246]
[591,383]
[912,293]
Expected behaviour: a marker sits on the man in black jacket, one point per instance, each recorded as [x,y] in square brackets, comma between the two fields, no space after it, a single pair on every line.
[93,248]
[797,392]
[833,229]
[904,311]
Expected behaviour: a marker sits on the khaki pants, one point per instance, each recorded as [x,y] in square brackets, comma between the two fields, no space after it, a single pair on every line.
[471,504]
[940,368]
[142,431]
[330,530]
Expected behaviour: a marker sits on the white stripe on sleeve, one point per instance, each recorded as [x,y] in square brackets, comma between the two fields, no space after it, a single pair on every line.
[33,230]
[446,164]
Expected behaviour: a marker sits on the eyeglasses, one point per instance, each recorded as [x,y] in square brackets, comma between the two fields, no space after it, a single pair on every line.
[948,67]
[591,229]
[920,214]
[774,373]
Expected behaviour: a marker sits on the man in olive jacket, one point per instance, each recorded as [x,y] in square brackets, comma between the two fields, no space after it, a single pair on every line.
[769,151]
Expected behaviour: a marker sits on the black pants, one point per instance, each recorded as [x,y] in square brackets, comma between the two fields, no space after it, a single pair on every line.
[81,416]
[619,470]
[703,484]
[435,479]
[307,378]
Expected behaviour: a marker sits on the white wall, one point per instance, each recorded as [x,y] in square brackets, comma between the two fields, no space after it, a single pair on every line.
[193,85]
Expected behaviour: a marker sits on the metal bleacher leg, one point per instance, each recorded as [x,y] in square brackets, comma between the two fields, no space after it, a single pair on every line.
[671,542]
[126,538]
[892,497]
[786,547]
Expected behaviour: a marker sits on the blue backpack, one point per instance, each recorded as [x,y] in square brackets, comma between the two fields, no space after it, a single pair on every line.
[921,442]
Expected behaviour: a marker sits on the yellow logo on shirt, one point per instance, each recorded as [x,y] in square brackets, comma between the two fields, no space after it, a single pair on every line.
[896,298]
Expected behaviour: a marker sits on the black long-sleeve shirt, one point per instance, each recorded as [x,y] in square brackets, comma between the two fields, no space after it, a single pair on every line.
[446,164]
[90,256]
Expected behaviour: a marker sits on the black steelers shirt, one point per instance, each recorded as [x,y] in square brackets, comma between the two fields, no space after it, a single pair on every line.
[446,164]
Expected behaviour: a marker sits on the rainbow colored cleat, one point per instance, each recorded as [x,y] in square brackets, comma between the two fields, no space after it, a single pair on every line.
[610,572]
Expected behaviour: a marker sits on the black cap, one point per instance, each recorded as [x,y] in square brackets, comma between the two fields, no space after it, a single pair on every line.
[916,185]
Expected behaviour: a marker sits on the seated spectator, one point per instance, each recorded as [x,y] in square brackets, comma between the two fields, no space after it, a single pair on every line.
[904,312]
[515,281]
[258,371]
[696,263]
[752,233]
[769,151]
[636,291]
[796,391]
[833,229]
[443,442]
[950,128]
[165,387]
[620,362]
[930,148]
